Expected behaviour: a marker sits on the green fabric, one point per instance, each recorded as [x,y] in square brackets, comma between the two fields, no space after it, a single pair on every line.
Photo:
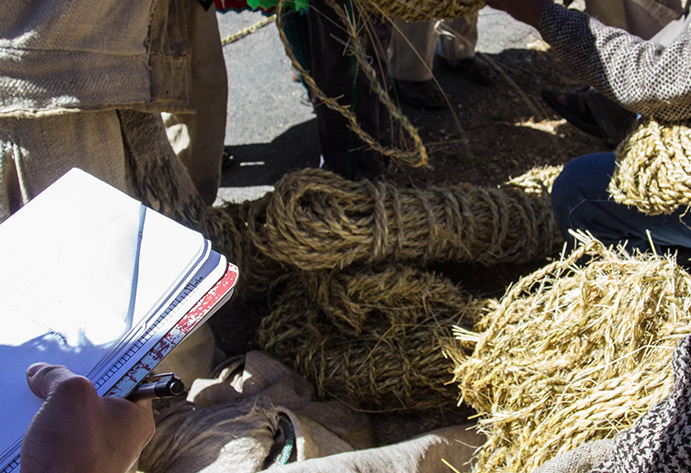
[266,5]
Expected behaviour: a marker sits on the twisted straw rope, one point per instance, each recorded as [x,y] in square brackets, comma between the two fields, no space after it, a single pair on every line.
[653,171]
[248,31]
[373,338]
[231,225]
[317,220]
[416,157]
[423,10]
[573,353]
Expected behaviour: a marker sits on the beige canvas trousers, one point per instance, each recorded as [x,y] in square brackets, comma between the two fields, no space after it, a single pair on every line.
[68,67]
[414,44]
[83,84]
[643,18]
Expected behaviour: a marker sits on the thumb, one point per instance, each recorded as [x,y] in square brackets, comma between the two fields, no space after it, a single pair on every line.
[43,378]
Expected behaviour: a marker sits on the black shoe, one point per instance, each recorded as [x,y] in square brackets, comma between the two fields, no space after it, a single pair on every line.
[592,112]
[474,69]
[425,94]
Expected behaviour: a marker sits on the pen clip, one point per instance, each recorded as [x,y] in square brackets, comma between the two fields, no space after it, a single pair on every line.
[156,377]
[158,386]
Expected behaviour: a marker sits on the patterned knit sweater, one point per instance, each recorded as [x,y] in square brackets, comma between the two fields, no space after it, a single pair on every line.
[643,76]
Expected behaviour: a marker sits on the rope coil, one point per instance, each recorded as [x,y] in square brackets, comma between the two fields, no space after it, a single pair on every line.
[317,220]
[374,338]
[423,10]
[653,171]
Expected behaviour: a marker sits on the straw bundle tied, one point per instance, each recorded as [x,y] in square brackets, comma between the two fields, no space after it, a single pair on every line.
[653,171]
[423,10]
[318,220]
[373,338]
[575,352]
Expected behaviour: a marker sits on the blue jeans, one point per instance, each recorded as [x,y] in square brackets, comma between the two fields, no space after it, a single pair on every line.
[581,202]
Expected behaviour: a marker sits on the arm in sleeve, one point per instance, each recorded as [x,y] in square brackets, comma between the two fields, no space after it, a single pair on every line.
[643,76]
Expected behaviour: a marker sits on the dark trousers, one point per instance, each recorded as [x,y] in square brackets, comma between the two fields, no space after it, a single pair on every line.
[338,75]
[581,202]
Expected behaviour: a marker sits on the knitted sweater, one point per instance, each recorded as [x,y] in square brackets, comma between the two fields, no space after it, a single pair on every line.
[643,76]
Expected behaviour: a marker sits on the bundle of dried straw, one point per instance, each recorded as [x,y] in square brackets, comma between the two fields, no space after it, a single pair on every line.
[373,338]
[653,170]
[318,220]
[575,352]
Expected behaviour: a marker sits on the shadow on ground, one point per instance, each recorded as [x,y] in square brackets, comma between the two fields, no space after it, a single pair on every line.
[264,163]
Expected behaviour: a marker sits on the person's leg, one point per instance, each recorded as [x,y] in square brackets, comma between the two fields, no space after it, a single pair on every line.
[643,18]
[35,152]
[411,50]
[456,49]
[458,38]
[581,202]
[337,74]
[411,58]
[198,138]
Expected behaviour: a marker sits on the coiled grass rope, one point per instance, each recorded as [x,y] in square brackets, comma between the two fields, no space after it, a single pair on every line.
[318,220]
[423,10]
[371,337]
[653,171]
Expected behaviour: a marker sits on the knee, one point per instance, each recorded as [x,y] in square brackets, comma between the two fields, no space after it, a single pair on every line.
[583,178]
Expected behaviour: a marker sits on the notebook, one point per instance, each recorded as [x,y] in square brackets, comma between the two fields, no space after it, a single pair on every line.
[93,280]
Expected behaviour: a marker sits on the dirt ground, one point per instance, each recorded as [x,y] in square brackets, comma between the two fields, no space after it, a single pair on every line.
[498,131]
[488,135]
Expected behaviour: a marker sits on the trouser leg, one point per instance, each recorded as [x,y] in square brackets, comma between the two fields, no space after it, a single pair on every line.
[458,38]
[198,138]
[411,51]
[35,152]
[581,202]
[337,74]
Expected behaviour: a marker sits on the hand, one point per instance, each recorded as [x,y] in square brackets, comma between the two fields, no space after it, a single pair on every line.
[527,11]
[76,430]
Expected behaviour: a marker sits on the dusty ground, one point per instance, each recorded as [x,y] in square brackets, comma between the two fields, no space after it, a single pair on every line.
[487,135]
[497,131]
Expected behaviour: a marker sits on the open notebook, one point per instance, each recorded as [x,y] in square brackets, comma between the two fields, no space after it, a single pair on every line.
[94,280]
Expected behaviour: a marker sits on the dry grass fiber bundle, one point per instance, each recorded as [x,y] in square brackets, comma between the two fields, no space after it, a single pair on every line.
[653,171]
[241,231]
[372,338]
[423,10]
[317,220]
[231,226]
[575,352]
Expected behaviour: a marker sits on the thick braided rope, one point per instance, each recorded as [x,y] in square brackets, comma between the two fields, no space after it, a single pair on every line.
[318,220]
[653,171]
[374,338]
[423,10]
[573,353]
[231,225]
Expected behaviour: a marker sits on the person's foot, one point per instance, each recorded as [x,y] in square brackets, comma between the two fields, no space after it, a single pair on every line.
[592,112]
[474,69]
[424,94]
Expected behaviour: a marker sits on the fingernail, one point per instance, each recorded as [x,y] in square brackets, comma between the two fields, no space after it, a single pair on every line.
[31,370]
